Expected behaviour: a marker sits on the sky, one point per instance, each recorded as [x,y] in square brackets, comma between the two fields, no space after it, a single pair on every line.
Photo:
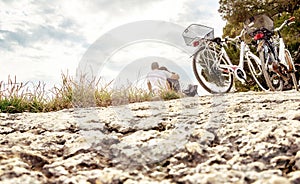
[41,39]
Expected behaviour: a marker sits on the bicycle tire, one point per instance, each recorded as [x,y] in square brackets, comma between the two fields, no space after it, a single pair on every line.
[257,72]
[291,65]
[269,74]
[199,67]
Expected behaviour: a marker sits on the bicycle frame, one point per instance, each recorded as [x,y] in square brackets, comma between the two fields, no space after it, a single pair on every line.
[281,52]
[245,55]
[282,48]
[238,70]
[248,53]
[279,56]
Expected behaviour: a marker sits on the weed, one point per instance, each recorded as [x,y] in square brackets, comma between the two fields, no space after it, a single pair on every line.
[169,95]
[26,97]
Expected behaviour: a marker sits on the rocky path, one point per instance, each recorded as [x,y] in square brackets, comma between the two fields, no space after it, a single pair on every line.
[233,138]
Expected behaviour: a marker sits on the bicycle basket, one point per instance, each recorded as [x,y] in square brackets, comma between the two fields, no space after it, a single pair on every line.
[196,32]
[257,23]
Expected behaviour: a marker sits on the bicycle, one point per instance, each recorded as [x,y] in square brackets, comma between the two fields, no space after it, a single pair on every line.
[279,68]
[212,66]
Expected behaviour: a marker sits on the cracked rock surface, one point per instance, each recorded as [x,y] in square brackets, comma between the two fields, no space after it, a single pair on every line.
[251,137]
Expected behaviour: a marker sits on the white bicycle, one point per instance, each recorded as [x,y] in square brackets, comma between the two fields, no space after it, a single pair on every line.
[279,68]
[211,64]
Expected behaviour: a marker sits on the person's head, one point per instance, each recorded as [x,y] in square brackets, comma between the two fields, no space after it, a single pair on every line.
[154,66]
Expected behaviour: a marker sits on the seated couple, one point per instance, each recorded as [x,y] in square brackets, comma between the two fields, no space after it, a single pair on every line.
[160,78]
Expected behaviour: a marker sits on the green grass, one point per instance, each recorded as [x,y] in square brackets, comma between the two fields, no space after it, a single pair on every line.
[25,97]
[169,95]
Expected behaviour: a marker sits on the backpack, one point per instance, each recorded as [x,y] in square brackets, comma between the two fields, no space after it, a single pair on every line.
[191,90]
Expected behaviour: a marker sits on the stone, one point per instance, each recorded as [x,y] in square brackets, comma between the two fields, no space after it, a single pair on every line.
[294,177]
[232,138]
[256,166]
[273,180]
[280,162]
[193,147]
[203,136]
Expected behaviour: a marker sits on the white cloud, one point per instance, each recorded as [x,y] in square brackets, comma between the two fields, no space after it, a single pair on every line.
[202,12]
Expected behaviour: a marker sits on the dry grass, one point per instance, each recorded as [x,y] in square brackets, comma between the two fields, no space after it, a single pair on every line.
[26,97]
[17,97]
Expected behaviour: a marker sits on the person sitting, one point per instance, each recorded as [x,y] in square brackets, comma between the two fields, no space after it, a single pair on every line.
[173,80]
[157,78]
[160,78]
[174,84]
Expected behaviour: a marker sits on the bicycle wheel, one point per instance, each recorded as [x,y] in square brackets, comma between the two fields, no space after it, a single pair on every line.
[273,81]
[210,70]
[289,61]
[255,68]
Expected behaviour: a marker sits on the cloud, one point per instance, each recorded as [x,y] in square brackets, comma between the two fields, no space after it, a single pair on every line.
[119,6]
[26,24]
[42,33]
[202,12]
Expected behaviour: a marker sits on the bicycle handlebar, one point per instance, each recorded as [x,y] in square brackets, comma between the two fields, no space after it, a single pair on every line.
[227,38]
[291,19]
[286,22]
[237,38]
